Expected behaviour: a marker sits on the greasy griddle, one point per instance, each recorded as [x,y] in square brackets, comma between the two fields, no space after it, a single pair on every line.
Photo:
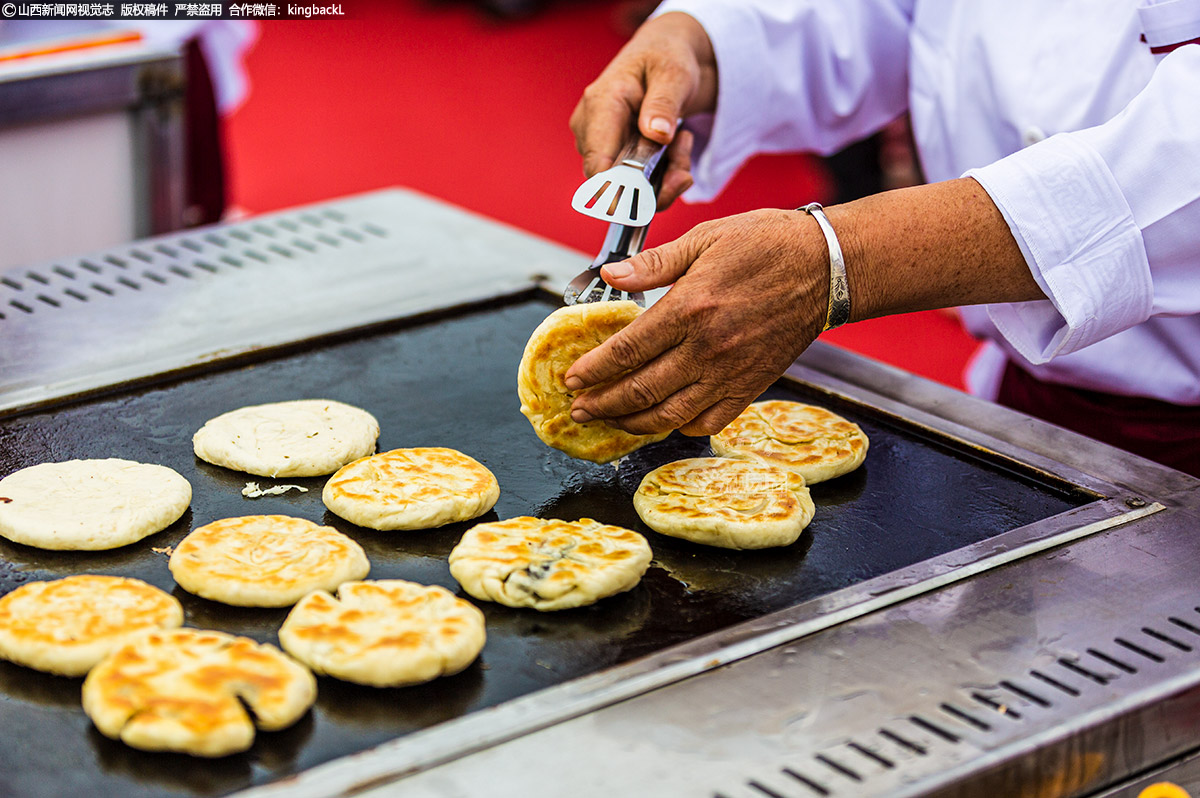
[450,381]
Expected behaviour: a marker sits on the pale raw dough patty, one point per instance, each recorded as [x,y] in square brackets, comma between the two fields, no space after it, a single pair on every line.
[301,438]
[184,689]
[734,504]
[68,625]
[89,505]
[386,633]
[416,488]
[548,564]
[811,440]
[561,339]
[265,560]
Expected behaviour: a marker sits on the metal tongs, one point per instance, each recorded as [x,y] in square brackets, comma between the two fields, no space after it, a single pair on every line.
[626,196]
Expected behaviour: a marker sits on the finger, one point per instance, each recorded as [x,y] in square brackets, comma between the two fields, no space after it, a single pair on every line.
[648,336]
[655,267]
[674,412]
[601,123]
[668,87]
[715,418]
[638,390]
[678,177]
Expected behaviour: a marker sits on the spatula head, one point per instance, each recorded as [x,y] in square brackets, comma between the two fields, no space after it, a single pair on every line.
[621,194]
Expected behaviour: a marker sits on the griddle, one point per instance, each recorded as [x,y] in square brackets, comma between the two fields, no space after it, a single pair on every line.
[989,606]
[451,382]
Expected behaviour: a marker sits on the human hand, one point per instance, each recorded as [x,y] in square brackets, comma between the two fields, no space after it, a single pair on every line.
[666,71]
[750,295]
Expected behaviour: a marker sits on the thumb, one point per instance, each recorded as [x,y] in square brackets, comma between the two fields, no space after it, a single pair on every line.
[667,89]
[653,268]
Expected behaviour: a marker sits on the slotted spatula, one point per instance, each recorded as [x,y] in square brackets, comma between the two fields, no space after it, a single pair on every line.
[621,242]
[622,194]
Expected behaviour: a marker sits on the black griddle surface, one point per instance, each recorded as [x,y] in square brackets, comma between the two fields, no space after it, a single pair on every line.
[451,382]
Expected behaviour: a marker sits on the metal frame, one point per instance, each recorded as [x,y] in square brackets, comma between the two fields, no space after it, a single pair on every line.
[146,82]
[741,712]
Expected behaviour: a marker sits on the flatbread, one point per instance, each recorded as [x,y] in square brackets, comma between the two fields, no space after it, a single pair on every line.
[90,505]
[183,690]
[416,488]
[385,633]
[265,560]
[734,504]
[66,626]
[811,440]
[301,438]
[548,564]
[561,339]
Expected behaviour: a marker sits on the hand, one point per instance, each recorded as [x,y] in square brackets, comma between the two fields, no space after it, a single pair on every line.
[750,295]
[666,71]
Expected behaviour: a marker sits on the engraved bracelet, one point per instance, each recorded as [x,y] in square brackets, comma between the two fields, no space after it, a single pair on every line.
[839,290]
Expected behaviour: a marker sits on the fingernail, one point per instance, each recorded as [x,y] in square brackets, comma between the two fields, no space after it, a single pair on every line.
[621,269]
[580,416]
[661,125]
[573,383]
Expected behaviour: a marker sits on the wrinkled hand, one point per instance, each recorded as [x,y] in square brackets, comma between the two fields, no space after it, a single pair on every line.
[750,295]
[667,70]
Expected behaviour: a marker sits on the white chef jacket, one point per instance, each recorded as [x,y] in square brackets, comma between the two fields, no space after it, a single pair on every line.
[1088,143]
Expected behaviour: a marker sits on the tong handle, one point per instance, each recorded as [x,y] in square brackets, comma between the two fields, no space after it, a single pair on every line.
[640,153]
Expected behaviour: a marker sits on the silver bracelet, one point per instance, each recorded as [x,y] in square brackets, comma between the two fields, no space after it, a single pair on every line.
[838,312]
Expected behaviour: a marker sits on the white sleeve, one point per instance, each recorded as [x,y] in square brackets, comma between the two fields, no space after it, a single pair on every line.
[1108,218]
[796,75]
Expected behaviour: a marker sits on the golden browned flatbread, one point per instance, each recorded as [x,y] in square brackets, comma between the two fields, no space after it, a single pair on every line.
[548,564]
[555,345]
[68,625]
[411,489]
[183,690]
[385,633]
[811,440]
[90,505]
[735,504]
[265,560]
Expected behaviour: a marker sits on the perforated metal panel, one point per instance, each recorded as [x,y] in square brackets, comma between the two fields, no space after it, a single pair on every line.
[167,303]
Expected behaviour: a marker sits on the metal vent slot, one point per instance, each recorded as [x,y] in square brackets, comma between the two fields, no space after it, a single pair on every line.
[115,261]
[1182,624]
[104,289]
[241,235]
[1084,672]
[208,267]
[813,786]
[258,256]
[873,756]
[130,283]
[346,232]
[91,267]
[182,272]
[37,278]
[142,256]
[1141,652]
[1055,683]
[71,292]
[965,717]
[265,230]
[302,244]
[21,306]
[13,284]
[232,261]
[903,742]
[54,303]
[149,275]
[934,729]
[999,708]
[287,253]
[375,230]
[838,767]
[192,245]
[337,216]
[325,238]
[1162,638]
[170,252]
[1113,661]
[70,275]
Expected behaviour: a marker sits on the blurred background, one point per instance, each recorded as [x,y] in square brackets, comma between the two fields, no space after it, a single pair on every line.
[466,100]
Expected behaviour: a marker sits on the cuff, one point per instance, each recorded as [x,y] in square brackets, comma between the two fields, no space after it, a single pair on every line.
[725,141]
[1077,233]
